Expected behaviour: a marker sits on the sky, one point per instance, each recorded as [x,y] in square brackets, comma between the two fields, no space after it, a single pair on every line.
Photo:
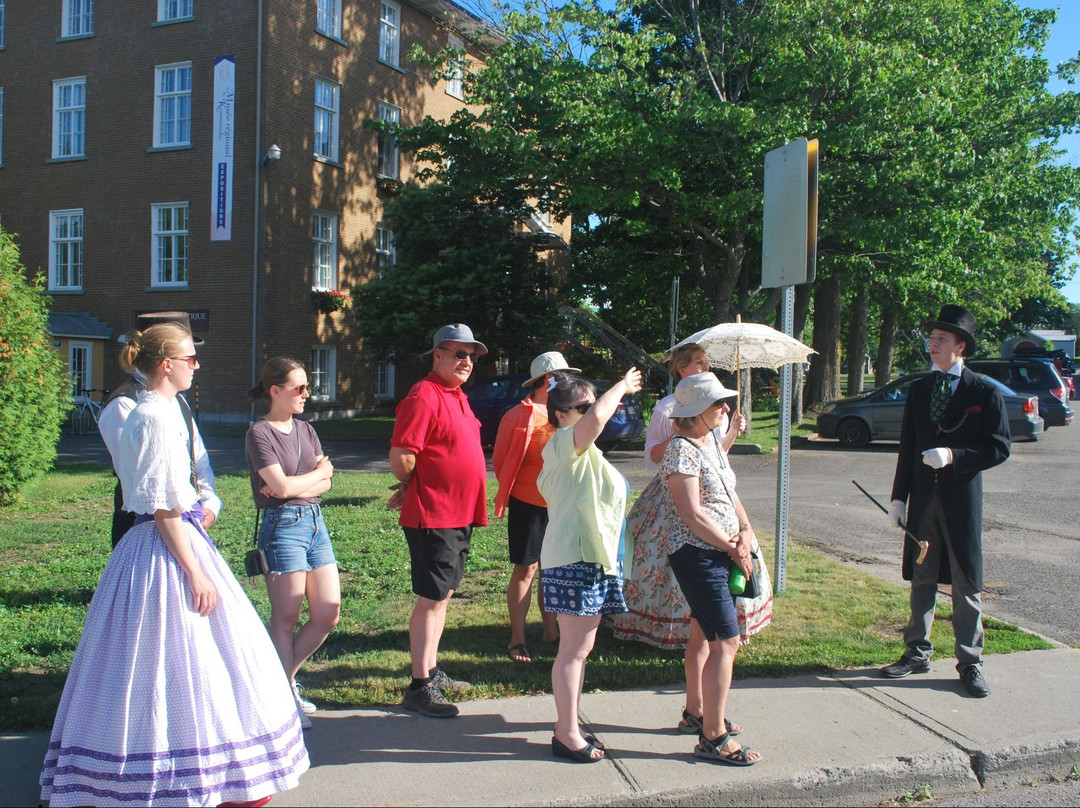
[1064,43]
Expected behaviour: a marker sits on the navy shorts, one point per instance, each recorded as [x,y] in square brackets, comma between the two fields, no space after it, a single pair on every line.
[438,559]
[294,539]
[703,577]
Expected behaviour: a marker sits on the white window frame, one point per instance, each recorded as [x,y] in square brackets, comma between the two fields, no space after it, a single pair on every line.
[169,10]
[327,115]
[389,158]
[1,23]
[385,252]
[77,18]
[82,382]
[384,380]
[455,79]
[323,381]
[169,266]
[69,117]
[390,33]
[328,18]
[324,234]
[172,106]
[66,250]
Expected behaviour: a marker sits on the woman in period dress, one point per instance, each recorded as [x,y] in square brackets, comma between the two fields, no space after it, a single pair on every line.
[175,695]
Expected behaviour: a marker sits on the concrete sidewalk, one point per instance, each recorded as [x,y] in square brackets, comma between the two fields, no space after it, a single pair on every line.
[846,739]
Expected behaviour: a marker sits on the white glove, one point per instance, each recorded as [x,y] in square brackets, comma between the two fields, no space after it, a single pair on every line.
[896,511]
[937,458]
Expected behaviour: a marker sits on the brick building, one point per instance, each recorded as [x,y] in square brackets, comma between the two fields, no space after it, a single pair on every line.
[209,156]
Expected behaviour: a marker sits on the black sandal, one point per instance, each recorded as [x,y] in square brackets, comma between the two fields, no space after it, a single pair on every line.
[710,750]
[583,755]
[693,724]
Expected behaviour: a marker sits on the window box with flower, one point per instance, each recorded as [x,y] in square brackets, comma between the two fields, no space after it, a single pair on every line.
[329,300]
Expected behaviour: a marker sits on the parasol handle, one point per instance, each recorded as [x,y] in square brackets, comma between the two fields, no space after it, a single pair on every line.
[738,371]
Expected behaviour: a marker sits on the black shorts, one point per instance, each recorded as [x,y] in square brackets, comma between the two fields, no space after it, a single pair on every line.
[703,577]
[438,559]
[525,526]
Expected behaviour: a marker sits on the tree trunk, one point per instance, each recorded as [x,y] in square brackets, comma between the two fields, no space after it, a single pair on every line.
[890,316]
[823,383]
[798,376]
[857,339]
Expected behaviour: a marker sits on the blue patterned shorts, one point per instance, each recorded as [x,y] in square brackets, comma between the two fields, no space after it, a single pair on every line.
[583,590]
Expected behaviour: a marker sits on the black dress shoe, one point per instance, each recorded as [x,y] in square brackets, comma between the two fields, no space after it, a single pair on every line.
[905,665]
[975,683]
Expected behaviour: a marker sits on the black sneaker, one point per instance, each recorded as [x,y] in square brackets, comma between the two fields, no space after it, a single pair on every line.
[975,683]
[443,681]
[904,666]
[429,701]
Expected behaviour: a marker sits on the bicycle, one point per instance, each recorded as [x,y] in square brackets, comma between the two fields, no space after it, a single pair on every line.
[84,417]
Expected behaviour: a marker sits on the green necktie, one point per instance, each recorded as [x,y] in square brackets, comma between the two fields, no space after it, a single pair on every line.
[939,396]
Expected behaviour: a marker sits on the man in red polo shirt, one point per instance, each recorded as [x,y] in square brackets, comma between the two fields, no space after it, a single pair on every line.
[437,456]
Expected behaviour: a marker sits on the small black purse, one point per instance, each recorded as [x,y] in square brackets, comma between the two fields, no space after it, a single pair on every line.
[255,560]
[753,585]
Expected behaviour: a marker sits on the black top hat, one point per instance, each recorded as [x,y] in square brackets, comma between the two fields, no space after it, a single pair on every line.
[147,319]
[959,321]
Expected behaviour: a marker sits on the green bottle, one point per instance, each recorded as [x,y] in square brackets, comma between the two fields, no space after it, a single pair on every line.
[736,581]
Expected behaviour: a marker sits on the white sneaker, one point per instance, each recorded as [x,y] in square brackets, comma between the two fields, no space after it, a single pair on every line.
[304,705]
[305,722]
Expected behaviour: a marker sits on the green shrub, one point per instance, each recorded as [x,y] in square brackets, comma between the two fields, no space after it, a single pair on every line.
[33,386]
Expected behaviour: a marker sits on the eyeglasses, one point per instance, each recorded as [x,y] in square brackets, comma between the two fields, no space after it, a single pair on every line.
[299,390]
[583,407]
[463,354]
[192,361]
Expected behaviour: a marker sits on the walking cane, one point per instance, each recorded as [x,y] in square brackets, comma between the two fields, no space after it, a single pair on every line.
[924,546]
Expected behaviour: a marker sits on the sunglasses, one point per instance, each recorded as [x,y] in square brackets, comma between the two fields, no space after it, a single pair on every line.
[192,360]
[298,390]
[583,408]
[461,354]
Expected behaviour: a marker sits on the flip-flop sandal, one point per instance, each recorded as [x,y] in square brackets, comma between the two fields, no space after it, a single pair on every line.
[519,653]
[710,750]
[692,725]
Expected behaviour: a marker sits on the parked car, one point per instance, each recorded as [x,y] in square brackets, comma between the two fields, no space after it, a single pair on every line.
[491,397]
[878,414]
[1031,376]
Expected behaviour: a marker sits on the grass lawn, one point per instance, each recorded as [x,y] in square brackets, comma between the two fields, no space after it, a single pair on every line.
[54,545]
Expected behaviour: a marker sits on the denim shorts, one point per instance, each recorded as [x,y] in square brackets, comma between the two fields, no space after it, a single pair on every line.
[295,539]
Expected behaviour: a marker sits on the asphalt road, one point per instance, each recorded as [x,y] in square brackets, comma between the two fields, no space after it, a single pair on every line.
[1031,538]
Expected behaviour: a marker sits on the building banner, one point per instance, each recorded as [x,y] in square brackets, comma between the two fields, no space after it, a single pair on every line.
[222,158]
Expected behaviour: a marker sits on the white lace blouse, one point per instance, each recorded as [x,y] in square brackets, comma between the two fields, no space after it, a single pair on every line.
[154,465]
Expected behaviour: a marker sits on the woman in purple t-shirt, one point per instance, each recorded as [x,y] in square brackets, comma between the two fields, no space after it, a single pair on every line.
[288,473]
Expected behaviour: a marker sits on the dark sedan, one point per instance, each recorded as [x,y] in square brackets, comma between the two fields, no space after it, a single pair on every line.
[490,398]
[877,414]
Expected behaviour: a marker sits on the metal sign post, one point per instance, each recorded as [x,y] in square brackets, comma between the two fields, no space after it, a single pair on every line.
[788,257]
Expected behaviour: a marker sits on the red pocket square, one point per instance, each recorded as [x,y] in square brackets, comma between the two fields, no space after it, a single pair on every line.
[973,410]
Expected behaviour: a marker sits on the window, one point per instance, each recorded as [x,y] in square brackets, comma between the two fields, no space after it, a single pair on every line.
[172,105]
[455,80]
[388,150]
[174,10]
[169,226]
[1,23]
[65,250]
[80,369]
[324,233]
[323,370]
[69,117]
[384,380]
[326,119]
[329,20]
[390,33]
[78,18]
[385,255]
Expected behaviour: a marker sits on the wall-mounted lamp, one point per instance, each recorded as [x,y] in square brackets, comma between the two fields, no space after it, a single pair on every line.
[273,153]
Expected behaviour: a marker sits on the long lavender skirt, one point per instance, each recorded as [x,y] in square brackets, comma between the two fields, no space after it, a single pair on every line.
[163,706]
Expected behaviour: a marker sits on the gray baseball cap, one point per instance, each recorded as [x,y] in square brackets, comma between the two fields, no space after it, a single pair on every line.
[455,332]
[547,363]
[694,394]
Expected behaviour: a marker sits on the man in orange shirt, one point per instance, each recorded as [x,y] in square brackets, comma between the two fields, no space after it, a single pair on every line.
[523,432]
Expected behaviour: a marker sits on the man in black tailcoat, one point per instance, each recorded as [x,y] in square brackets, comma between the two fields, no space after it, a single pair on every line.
[955,426]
